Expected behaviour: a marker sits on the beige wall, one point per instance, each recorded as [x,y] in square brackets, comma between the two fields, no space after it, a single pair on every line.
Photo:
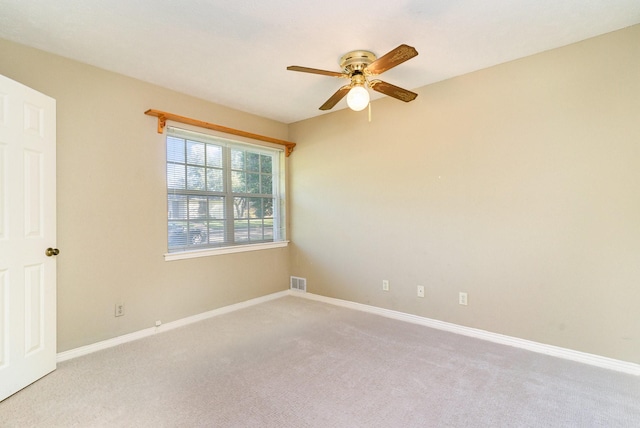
[111,211]
[518,184]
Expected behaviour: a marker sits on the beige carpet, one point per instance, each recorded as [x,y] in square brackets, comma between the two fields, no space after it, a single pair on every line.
[293,362]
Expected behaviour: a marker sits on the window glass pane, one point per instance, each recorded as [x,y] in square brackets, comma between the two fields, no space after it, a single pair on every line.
[241,230]
[238,182]
[252,162]
[176,178]
[177,207]
[214,155]
[268,229]
[266,186]
[265,163]
[237,159]
[255,208]
[197,234]
[175,149]
[197,207]
[195,178]
[214,180]
[195,153]
[240,209]
[268,207]
[255,230]
[177,234]
[216,207]
[216,232]
[253,183]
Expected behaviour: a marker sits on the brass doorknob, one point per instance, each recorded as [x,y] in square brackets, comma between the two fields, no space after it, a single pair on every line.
[52,252]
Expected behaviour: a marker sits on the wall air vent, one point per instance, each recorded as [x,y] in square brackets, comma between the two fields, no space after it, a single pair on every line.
[297,283]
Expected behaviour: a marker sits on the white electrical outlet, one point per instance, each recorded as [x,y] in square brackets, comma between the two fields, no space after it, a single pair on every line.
[462,298]
[385,285]
[420,290]
[119,309]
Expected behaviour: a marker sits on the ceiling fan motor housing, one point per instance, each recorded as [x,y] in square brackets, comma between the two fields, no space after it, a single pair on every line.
[356,61]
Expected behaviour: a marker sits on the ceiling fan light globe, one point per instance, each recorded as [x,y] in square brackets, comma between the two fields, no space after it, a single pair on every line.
[358,98]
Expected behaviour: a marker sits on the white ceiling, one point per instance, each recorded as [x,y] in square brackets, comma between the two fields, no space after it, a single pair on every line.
[235,53]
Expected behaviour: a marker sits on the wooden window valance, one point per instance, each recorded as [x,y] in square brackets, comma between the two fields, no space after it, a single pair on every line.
[163,116]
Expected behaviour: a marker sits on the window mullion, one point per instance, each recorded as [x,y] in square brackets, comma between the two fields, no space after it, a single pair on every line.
[228,206]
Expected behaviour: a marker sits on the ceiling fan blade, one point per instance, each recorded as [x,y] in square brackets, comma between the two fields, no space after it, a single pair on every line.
[316,71]
[340,93]
[392,91]
[397,56]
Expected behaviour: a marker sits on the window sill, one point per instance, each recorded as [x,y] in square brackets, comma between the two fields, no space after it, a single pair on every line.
[223,250]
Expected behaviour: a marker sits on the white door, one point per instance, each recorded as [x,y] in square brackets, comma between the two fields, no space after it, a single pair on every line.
[27,229]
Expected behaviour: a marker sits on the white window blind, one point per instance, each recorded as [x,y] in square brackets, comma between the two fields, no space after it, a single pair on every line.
[222,193]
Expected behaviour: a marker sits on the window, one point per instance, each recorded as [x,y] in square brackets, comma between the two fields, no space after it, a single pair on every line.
[222,193]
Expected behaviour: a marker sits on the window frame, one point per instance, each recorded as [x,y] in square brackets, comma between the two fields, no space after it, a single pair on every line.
[278,193]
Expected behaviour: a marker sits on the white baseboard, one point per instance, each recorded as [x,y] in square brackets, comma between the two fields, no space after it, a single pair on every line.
[541,348]
[98,346]
[556,351]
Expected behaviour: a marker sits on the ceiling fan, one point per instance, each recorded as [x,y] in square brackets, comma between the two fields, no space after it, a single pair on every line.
[358,67]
